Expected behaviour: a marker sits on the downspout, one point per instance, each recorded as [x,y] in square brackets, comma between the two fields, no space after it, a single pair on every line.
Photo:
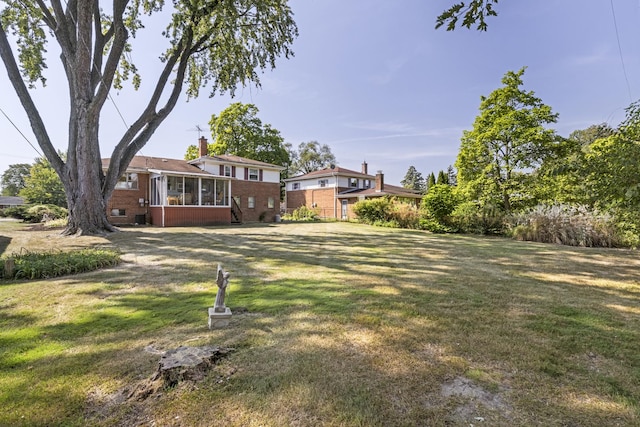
[335,197]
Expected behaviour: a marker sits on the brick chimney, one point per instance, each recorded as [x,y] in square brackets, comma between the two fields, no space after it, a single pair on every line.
[202,147]
[365,168]
[379,181]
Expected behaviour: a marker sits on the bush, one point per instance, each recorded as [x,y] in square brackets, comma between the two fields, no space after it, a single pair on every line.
[373,210]
[303,213]
[567,225]
[35,265]
[470,217]
[385,212]
[36,213]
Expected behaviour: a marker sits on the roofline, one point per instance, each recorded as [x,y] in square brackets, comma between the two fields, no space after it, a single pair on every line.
[352,174]
[172,172]
[237,163]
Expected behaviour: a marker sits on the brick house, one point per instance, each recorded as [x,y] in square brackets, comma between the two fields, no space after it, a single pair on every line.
[210,190]
[332,192]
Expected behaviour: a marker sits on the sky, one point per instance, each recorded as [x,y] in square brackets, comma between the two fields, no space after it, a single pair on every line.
[376,82]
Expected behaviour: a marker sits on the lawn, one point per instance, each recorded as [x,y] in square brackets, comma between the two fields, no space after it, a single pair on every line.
[334,324]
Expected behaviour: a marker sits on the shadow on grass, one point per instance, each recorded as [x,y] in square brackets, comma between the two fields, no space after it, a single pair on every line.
[366,323]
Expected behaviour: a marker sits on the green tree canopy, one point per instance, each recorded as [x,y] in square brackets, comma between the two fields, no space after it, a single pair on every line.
[43,186]
[310,157]
[431,181]
[207,44]
[507,142]
[239,131]
[13,179]
[413,180]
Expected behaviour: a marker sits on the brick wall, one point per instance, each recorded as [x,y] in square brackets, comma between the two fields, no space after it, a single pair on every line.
[262,191]
[129,201]
[182,216]
[320,198]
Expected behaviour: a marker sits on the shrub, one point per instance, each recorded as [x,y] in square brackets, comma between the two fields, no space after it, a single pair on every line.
[38,265]
[567,225]
[36,213]
[385,212]
[373,210]
[470,217]
[303,213]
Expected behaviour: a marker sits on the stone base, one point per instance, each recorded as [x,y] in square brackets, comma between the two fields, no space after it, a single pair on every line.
[219,320]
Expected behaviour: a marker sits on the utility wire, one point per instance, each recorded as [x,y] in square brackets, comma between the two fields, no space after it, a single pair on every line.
[20,132]
[624,69]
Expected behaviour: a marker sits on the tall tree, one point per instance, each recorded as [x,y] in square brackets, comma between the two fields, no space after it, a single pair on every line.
[214,43]
[431,181]
[239,131]
[413,180]
[612,166]
[13,179]
[443,179]
[310,157]
[508,140]
[452,176]
[562,177]
[43,186]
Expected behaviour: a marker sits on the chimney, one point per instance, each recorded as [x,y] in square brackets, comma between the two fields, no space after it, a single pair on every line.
[365,169]
[379,181]
[202,146]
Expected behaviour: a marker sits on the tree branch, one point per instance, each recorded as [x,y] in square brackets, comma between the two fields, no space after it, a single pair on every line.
[49,19]
[37,125]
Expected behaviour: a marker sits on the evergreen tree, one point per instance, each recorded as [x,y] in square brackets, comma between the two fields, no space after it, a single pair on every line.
[413,180]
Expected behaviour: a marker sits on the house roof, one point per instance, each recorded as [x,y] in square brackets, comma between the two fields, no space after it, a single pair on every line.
[146,163]
[242,161]
[331,172]
[389,190]
[11,201]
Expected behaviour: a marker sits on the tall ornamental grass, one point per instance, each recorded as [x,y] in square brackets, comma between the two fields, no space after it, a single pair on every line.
[567,225]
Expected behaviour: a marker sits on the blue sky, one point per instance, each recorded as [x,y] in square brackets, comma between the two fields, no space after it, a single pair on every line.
[375,81]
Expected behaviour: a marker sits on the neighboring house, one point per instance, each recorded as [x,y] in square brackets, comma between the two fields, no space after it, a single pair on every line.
[10,201]
[333,191]
[210,190]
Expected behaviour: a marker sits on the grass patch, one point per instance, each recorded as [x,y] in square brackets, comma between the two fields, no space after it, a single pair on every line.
[334,324]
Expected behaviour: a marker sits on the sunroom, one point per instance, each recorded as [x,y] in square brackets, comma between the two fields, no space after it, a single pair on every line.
[182,199]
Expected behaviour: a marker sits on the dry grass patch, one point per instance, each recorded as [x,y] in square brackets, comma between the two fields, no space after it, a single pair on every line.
[334,324]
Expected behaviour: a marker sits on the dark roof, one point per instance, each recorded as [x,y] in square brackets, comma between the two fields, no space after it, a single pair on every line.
[331,172]
[146,163]
[11,201]
[228,158]
[389,190]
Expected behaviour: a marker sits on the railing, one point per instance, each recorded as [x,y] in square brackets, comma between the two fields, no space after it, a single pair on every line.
[236,212]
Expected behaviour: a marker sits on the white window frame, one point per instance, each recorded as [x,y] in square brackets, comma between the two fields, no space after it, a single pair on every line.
[295,186]
[227,170]
[251,202]
[271,203]
[323,182]
[128,181]
[254,174]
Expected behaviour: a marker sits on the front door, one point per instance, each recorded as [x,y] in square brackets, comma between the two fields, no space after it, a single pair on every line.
[345,203]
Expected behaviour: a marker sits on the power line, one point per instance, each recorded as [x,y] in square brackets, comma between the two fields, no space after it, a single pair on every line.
[624,69]
[20,132]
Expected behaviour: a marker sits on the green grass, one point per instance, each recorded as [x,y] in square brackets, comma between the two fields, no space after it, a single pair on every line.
[334,324]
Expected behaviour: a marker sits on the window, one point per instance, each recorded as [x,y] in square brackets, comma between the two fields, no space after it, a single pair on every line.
[367,183]
[253,174]
[295,186]
[271,203]
[353,182]
[128,181]
[118,212]
[251,202]
[323,182]
[227,170]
